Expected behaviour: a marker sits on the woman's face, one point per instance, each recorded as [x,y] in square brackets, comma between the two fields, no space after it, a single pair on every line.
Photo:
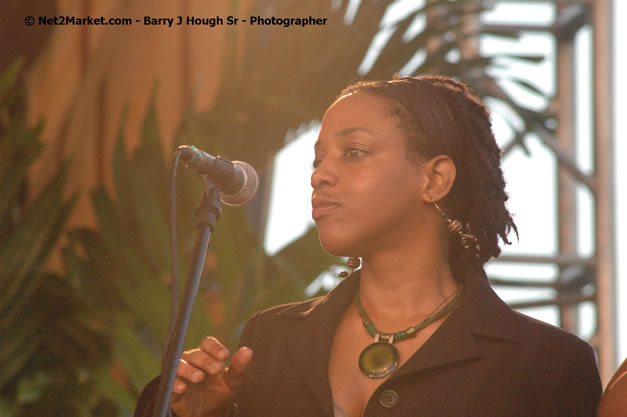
[367,195]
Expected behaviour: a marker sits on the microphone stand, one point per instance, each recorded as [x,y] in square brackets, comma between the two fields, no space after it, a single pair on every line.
[207,215]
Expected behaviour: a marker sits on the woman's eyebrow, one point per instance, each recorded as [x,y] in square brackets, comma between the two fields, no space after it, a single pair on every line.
[351,130]
[343,133]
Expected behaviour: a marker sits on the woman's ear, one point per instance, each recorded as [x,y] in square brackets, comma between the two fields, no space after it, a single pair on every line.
[439,178]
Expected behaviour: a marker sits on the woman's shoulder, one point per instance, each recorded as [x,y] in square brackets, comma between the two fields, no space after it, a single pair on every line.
[540,346]
[296,309]
[557,355]
[554,366]
[280,318]
[331,304]
[536,332]
[519,326]
[310,315]
[489,315]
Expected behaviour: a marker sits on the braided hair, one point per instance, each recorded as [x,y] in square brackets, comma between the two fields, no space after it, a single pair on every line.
[441,116]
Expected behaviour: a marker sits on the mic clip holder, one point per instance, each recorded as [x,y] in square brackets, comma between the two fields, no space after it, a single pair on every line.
[209,207]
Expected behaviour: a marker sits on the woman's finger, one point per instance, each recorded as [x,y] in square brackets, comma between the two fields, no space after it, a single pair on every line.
[180,386]
[213,347]
[204,361]
[238,367]
[189,372]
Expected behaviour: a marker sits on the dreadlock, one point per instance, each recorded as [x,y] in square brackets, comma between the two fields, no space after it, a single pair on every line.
[441,116]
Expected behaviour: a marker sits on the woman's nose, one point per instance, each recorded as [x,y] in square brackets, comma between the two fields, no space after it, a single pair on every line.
[323,174]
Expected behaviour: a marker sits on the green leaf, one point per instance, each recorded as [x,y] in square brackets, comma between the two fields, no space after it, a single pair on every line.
[535,59]
[111,388]
[7,408]
[527,85]
[139,362]
[25,250]
[16,350]
[509,34]
[8,79]
[30,388]
[18,150]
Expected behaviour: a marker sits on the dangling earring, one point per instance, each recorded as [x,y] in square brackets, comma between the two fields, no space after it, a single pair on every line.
[467,239]
[353,263]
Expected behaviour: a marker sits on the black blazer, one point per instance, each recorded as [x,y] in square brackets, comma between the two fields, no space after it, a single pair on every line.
[484,360]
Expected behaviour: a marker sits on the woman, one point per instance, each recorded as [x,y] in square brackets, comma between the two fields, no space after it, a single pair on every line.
[614,400]
[406,176]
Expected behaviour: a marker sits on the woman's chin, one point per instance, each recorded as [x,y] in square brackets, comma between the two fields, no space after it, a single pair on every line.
[335,247]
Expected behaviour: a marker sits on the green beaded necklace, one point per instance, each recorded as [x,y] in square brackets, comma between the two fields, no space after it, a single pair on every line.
[381,358]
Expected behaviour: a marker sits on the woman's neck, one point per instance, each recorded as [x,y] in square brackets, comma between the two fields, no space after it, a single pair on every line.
[398,288]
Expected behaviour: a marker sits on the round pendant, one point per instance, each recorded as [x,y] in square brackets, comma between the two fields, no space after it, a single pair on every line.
[379,360]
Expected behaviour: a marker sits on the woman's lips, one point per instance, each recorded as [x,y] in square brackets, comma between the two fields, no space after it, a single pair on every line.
[321,206]
[318,212]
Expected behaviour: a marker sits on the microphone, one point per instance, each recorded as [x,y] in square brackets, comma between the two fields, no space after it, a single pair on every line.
[237,180]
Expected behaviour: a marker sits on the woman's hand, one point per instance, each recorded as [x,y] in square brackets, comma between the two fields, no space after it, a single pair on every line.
[203,385]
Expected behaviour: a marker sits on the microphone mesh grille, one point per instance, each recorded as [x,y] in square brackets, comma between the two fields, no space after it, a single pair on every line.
[248,191]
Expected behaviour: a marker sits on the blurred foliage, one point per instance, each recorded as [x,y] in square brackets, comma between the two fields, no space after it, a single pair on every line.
[91,339]
[287,76]
[52,343]
[124,267]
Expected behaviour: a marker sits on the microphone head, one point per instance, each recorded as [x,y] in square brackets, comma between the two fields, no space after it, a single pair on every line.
[248,190]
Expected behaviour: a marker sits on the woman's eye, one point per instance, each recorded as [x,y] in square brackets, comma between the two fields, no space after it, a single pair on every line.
[353,153]
[315,163]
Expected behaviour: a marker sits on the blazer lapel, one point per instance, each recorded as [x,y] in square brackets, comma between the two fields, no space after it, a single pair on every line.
[480,313]
[310,344]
